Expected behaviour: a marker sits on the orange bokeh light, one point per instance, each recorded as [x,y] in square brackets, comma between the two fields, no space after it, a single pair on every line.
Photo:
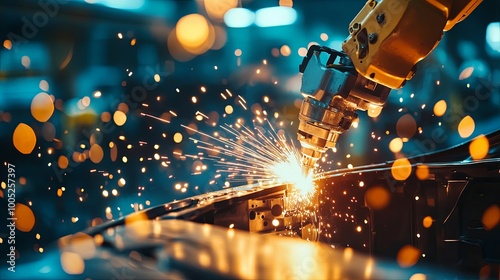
[62,162]
[427,222]
[42,107]
[217,8]
[96,153]
[479,147]
[422,172]
[377,197]
[195,33]
[491,217]
[440,108]
[24,138]
[466,127]
[401,169]
[396,145]
[25,219]
[119,118]
[72,263]
[408,256]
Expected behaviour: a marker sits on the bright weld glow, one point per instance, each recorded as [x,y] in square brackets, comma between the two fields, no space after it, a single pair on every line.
[290,171]
[275,16]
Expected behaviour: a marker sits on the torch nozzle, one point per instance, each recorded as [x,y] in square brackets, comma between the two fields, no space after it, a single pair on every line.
[308,161]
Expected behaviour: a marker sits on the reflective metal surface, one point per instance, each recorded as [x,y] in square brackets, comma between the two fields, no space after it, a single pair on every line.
[175,249]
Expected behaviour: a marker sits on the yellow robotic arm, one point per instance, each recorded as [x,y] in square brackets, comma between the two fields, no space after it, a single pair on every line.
[386,40]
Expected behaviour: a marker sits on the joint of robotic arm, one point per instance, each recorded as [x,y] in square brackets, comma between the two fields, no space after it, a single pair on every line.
[333,92]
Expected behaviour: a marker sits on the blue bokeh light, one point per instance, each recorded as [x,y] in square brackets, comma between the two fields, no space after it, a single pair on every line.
[239,18]
[275,16]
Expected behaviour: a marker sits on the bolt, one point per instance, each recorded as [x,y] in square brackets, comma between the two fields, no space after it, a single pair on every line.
[372,38]
[381,19]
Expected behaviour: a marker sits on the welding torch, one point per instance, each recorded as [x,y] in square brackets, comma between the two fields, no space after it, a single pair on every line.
[387,39]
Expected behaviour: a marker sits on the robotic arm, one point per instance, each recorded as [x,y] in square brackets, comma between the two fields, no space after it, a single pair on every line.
[386,40]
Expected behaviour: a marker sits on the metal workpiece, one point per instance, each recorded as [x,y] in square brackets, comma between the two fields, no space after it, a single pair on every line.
[178,249]
[254,208]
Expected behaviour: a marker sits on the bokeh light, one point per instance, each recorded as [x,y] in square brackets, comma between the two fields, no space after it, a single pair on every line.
[427,222]
[377,197]
[195,33]
[96,153]
[229,109]
[396,145]
[418,276]
[466,127]
[285,50]
[440,108]
[82,244]
[121,182]
[422,172]
[491,217]
[220,38]
[119,118]
[286,3]
[25,219]
[105,117]
[62,162]
[401,169]
[406,126]
[177,137]
[72,263]
[466,73]
[217,8]
[479,147]
[176,49]
[24,138]
[302,51]
[138,224]
[374,111]
[48,131]
[7,44]
[26,61]
[44,85]
[408,256]
[42,107]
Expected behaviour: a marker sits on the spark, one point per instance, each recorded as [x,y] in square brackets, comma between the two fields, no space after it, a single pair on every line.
[198,113]
[255,155]
[242,105]
[154,117]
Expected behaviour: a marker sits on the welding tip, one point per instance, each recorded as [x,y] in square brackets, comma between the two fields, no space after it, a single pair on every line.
[308,163]
[306,171]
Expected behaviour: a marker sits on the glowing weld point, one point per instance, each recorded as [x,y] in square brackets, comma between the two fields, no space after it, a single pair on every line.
[291,171]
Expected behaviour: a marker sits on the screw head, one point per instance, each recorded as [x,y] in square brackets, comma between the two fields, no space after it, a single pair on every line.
[380,18]
[372,38]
